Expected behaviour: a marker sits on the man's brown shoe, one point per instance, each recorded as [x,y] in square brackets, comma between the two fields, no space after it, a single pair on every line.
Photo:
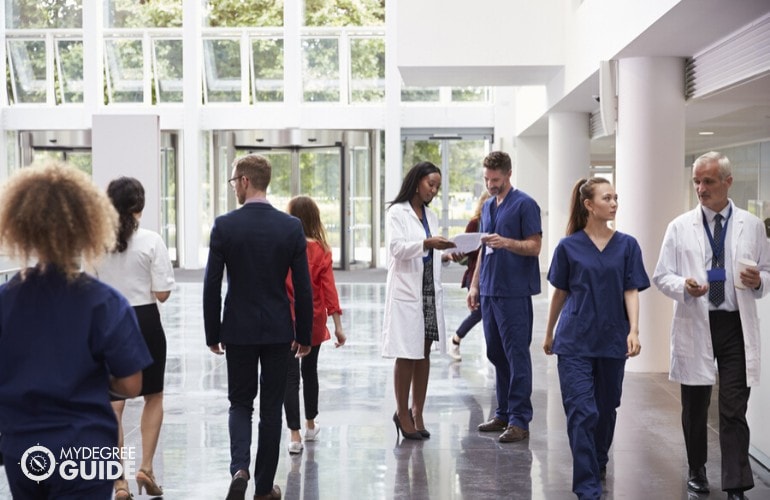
[494,424]
[275,493]
[512,434]
[238,485]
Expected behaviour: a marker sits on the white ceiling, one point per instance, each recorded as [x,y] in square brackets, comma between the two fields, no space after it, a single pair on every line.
[736,115]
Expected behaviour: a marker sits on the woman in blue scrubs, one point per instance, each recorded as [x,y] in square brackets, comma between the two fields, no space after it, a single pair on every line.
[66,339]
[597,274]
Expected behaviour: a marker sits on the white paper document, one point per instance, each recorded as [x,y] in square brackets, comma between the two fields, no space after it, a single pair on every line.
[467,242]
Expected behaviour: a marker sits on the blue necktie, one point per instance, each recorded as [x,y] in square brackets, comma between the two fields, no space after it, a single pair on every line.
[717,288]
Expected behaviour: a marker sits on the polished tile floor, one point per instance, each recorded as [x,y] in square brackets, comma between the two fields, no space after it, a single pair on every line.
[358,456]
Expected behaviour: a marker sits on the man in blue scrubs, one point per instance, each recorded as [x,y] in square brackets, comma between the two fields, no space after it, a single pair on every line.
[506,278]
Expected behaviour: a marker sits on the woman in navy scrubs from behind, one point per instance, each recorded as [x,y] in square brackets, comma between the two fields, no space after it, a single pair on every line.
[66,339]
[597,273]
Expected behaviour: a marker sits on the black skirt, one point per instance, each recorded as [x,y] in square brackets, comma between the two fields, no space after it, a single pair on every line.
[153,376]
[429,302]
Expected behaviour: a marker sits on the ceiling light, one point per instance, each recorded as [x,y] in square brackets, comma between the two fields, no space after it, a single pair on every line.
[705,133]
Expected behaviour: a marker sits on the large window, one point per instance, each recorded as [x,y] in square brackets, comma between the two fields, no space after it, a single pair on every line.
[320,69]
[222,65]
[267,68]
[242,51]
[445,95]
[232,14]
[367,69]
[344,13]
[27,66]
[459,155]
[168,70]
[51,14]
[124,68]
[142,14]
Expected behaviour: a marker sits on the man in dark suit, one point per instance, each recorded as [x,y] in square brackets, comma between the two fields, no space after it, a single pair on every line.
[258,245]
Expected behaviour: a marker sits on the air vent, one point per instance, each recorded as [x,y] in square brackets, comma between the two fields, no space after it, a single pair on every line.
[595,125]
[738,58]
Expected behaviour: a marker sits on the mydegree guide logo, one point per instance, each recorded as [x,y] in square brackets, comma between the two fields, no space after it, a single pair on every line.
[39,463]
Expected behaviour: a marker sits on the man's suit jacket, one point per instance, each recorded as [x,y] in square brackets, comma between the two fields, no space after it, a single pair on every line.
[258,245]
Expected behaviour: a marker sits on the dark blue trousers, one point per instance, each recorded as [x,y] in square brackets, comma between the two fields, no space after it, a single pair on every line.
[469,322]
[508,331]
[590,392]
[55,487]
[243,381]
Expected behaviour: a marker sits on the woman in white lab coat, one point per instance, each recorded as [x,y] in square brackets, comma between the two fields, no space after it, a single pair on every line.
[414,317]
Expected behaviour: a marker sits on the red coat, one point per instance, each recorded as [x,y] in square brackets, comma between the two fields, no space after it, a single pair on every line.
[473,257]
[325,299]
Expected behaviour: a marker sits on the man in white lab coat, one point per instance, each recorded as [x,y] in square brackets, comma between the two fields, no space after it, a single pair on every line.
[715,325]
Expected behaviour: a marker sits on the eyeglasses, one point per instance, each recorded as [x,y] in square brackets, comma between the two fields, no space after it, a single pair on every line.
[233,180]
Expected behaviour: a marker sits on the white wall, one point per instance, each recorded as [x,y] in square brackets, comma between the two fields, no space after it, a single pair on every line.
[759,403]
[129,145]
[446,38]
[530,174]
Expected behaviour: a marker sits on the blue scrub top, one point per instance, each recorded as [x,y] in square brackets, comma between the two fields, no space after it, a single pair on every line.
[59,343]
[504,273]
[593,321]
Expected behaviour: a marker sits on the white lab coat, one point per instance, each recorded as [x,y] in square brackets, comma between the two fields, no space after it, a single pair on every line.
[683,255]
[403,331]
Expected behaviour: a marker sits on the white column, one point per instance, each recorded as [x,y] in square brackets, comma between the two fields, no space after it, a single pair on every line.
[393,153]
[650,181]
[569,159]
[190,241]
[293,19]
[93,69]
[531,176]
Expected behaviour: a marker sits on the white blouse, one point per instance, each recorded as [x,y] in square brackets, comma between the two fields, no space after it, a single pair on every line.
[144,267]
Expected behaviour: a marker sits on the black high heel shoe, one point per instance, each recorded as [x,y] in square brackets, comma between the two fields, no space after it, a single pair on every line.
[407,435]
[423,432]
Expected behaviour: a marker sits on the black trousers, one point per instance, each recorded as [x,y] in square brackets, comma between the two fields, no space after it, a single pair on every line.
[729,351]
[309,368]
[253,369]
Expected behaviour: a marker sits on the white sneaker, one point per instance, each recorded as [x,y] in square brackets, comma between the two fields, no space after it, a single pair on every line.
[312,434]
[454,351]
[295,447]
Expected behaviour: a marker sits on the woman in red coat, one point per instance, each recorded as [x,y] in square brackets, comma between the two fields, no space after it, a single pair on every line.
[325,303]
[475,315]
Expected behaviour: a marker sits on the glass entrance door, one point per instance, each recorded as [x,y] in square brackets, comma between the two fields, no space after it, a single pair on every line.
[459,156]
[361,205]
[337,168]
[310,171]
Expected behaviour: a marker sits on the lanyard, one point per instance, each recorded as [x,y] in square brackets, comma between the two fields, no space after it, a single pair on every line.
[717,251]
[427,234]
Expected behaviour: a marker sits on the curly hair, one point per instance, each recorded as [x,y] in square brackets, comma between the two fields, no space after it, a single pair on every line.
[498,160]
[127,196]
[54,213]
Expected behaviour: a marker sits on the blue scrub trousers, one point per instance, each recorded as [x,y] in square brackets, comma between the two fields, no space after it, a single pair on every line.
[508,331]
[55,487]
[590,392]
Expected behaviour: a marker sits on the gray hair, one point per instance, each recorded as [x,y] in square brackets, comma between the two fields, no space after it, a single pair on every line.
[725,170]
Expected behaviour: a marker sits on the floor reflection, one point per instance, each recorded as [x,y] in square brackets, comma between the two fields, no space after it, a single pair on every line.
[358,455]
